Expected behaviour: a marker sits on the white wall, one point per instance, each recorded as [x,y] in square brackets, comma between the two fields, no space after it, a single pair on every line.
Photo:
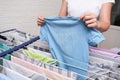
[22,14]
[112,38]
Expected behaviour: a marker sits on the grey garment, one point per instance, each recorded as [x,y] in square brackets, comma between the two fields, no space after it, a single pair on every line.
[99,74]
[12,74]
[4,77]
[59,70]
[24,71]
[111,68]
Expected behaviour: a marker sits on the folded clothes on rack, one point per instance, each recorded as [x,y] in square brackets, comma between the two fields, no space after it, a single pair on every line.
[45,65]
[105,55]
[48,73]
[23,71]
[12,74]
[93,72]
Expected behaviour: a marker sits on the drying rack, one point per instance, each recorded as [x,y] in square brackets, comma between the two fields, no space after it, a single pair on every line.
[15,48]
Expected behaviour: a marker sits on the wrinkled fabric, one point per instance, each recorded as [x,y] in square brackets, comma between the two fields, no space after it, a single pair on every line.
[40,52]
[94,72]
[24,71]
[38,69]
[12,74]
[104,55]
[4,47]
[68,40]
[51,67]
[4,77]
[39,57]
[111,68]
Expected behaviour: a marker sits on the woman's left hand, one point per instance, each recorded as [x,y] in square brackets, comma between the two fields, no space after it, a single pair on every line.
[90,19]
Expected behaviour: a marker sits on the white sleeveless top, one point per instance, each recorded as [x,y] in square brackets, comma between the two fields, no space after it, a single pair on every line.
[79,7]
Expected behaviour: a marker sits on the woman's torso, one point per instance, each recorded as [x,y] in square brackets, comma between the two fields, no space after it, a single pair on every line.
[79,7]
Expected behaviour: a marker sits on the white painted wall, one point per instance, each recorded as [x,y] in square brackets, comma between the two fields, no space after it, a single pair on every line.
[112,38]
[22,14]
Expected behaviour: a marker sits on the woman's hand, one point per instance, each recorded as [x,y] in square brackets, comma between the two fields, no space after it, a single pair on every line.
[40,21]
[90,19]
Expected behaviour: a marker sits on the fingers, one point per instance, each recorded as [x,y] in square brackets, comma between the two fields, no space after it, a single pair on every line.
[40,21]
[92,24]
[85,15]
[41,18]
[90,19]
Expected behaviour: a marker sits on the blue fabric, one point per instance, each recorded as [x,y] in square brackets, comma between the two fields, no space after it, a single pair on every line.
[69,40]
[4,77]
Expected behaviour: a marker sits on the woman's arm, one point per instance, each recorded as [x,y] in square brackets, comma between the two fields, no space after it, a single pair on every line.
[63,10]
[104,18]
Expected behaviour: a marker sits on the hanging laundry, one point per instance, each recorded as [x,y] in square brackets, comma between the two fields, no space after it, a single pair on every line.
[40,57]
[40,52]
[93,72]
[111,66]
[69,40]
[24,71]
[38,69]
[4,47]
[51,67]
[12,74]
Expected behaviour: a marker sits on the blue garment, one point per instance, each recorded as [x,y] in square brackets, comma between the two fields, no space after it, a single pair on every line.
[4,77]
[69,40]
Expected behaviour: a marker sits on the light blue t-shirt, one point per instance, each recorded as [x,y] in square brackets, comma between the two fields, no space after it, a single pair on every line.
[69,40]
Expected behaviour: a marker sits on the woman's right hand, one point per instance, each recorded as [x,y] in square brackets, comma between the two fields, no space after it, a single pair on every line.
[40,21]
